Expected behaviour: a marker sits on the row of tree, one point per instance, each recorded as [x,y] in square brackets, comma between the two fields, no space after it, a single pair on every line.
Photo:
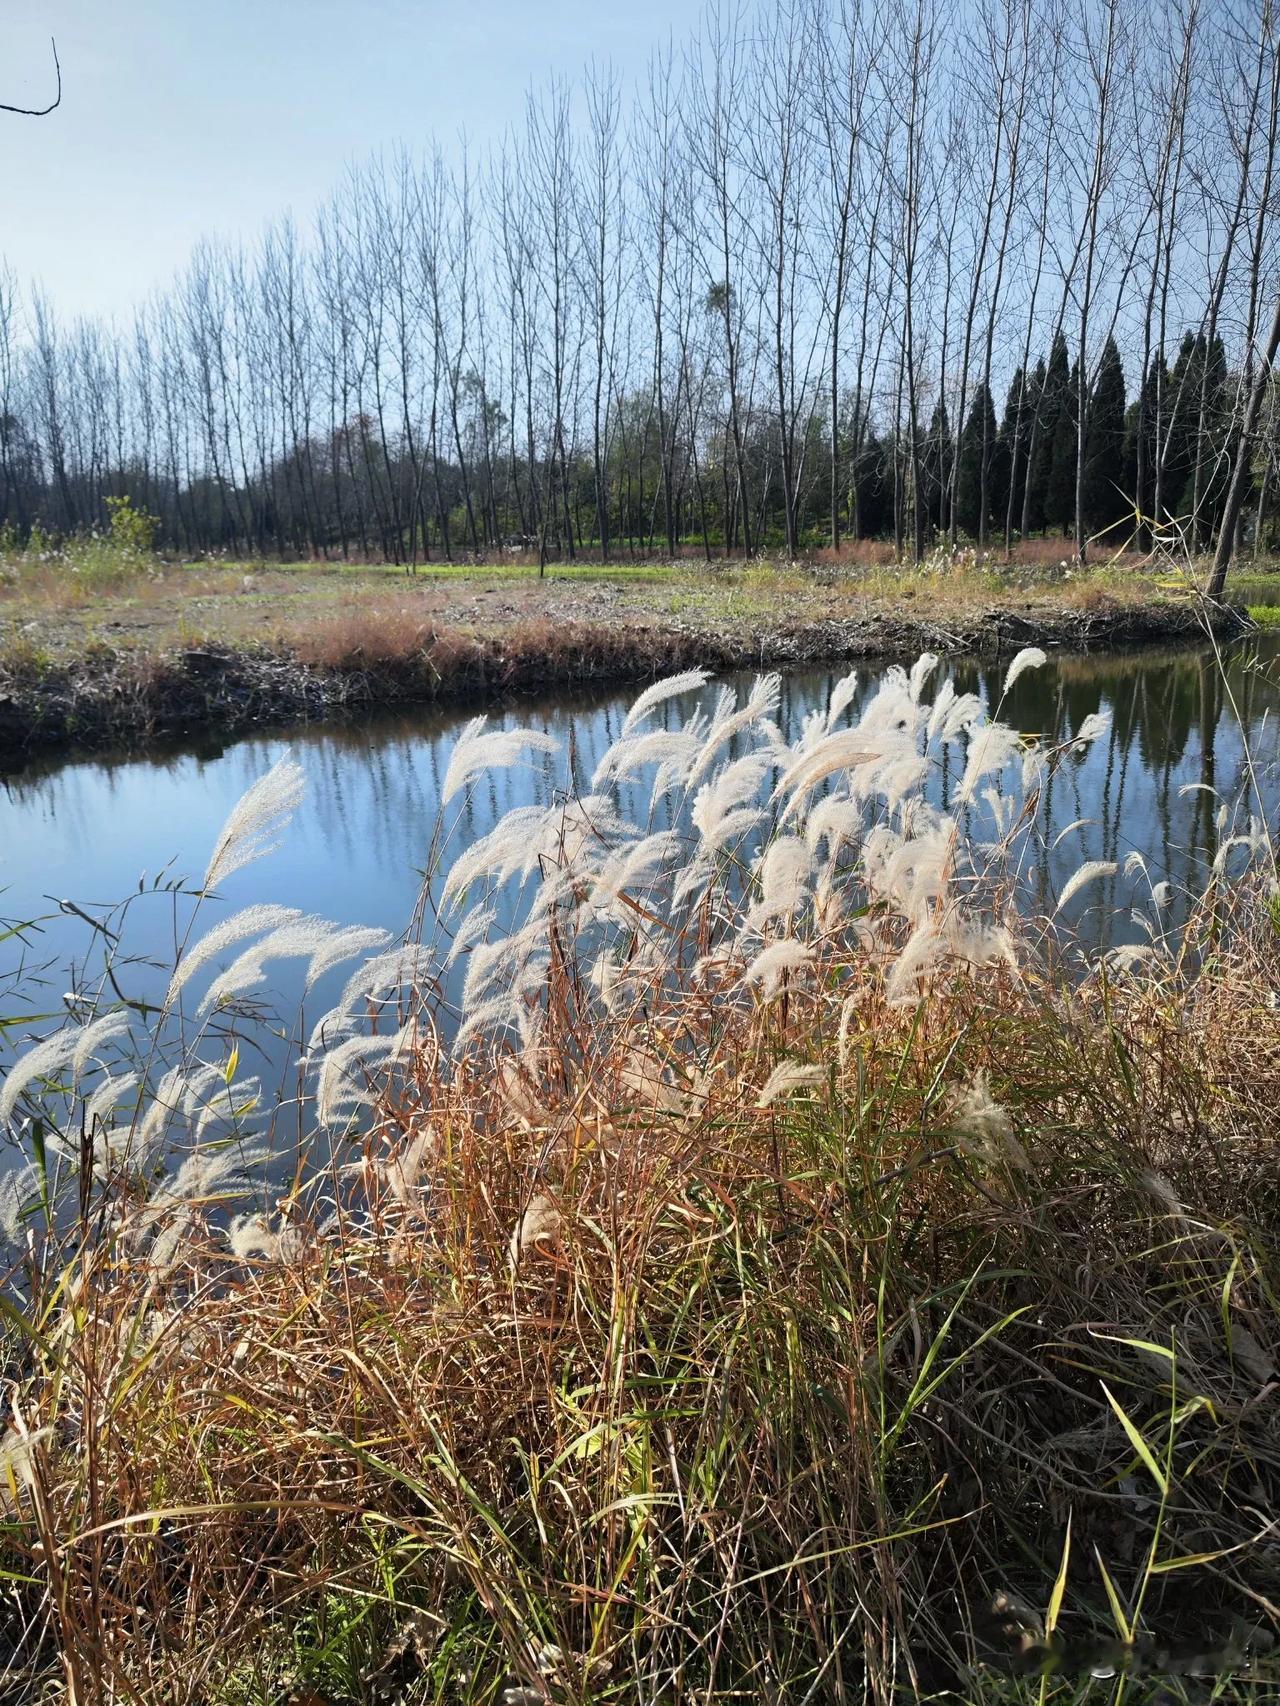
[767,299]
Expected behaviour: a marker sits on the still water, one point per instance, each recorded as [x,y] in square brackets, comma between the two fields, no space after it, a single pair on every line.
[89,831]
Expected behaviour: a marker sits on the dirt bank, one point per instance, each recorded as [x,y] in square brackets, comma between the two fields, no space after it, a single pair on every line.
[123,695]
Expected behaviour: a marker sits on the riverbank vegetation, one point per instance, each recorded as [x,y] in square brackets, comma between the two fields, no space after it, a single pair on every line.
[112,645]
[873,271]
[752,1260]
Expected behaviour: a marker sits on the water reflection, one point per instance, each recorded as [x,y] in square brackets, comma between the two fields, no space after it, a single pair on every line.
[370,822]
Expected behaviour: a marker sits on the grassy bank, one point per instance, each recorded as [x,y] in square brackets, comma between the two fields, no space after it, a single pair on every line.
[123,648]
[785,1277]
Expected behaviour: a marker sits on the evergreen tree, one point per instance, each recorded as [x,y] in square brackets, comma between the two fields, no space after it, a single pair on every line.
[1182,403]
[980,425]
[1033,495]
[1060,483]
[1107,502]
[937,459]
[1053,396]
[1141,435]
[1014,435]
[874,482]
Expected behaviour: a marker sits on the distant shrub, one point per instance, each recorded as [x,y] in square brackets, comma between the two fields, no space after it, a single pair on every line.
[131,531]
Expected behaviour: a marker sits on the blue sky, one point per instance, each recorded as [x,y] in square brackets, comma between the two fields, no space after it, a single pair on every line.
[186,118]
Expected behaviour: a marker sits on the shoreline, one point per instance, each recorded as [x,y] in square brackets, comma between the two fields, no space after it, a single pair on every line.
[129,698]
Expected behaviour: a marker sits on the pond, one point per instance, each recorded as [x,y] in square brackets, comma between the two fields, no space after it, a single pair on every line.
[92,831]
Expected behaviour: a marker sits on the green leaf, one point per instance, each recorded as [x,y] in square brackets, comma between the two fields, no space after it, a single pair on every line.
[1139,1444]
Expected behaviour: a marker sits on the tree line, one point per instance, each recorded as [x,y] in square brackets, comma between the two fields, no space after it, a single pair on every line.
[834,269]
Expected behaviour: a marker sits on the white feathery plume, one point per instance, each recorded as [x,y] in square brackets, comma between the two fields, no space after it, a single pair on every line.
[1162,894]
[773,963]
[506,1012]
[1030,657]
[788,1077]
[992,747]
[518,1095]
[848,1010]
[689,681]
[40,1062]
[18,1448]
[341,1087]
[403,1171]
[1196,787]
[761,704]
[253,1235]
[236,1103]
[109,1028]
[1002,807]
[301,940]
[721,808]
[921,670]
[100,1107]
[1095,724]
[697,874]
[1130,955]
[471,932]
[1135,865]
[485,967]
[1081,823]
[843,750]
[930,944]
[958,716]
[263,811]
[376,980]
[498,749]
[1032,769]
[912,871]
[249,921]
[1081,877]
[345,944]
[19,1186]
[895,778]
[165,1101]
[672,749]
[498,854]
[644,1075]
[785,870]
[386,973]
[842,696]
[638,866]
[835,820]
[943,700]
[605,973]
[211,1174]
[984,1129]
[539,1224]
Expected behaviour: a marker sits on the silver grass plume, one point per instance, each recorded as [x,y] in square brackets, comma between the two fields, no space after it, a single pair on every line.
[842,696]
[498,749]
[689,681]
[262,812]
[1030,657]
[1083,875]
[788,1077]
[774,963]
[993,745]
[249,921]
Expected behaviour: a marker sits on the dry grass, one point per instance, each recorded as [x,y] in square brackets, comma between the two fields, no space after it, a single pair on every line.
[618,1364]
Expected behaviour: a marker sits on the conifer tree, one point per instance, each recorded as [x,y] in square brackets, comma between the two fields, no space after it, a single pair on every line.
[1107,503]
[1060,486]
[1014,432]
[979,428]
[1054,400]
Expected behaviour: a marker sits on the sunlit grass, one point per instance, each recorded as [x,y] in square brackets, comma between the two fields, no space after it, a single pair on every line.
[804,1281]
